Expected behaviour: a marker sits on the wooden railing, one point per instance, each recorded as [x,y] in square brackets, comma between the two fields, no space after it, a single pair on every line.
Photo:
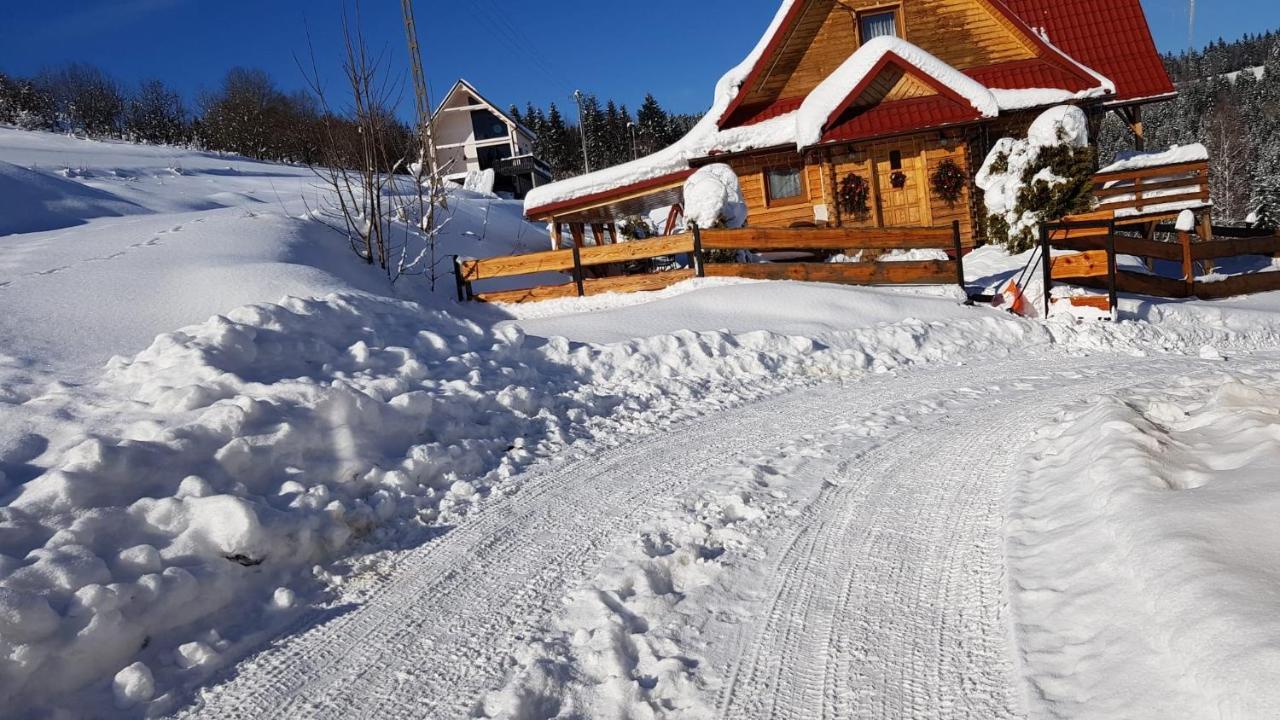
[1098,245]
[1155,190]
[578,263]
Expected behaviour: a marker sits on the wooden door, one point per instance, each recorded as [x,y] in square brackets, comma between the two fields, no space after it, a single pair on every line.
[900,206]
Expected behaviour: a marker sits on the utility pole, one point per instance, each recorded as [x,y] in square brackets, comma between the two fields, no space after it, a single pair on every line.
[582,125]
[421,95]
[635,154]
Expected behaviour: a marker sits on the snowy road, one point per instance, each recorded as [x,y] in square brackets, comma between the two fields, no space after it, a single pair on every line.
[885,599]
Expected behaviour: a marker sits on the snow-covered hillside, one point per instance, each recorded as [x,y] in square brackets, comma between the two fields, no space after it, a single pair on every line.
[242,473]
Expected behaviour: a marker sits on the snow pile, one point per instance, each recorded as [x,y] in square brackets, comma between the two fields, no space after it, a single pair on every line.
[713,198]
[832,93]
[1001,177]
[1144,554]
[243,452]
[1186,221]
[480,182]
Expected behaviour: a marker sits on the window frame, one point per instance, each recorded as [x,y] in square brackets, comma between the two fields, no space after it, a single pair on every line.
[898,22]
[799,199]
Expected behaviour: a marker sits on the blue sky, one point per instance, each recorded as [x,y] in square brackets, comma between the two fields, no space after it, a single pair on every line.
[513,50]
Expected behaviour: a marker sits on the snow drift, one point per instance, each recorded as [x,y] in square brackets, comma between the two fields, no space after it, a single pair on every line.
[35,201]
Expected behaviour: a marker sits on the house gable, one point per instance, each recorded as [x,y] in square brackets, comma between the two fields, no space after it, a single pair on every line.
[893,91]
[819,35]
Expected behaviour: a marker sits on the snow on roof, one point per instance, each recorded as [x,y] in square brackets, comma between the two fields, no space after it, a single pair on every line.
[832,94]
[1028,98]
[1176,155]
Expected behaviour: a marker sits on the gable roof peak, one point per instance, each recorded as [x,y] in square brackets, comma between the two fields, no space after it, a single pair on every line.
[842,88]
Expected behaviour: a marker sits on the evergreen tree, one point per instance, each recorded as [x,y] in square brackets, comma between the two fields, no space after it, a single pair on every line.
[1265,201]
[595,128]
[652,126]
[556,148]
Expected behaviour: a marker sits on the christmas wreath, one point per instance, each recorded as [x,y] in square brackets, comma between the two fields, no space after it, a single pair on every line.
[898,179]
[855,193]
[948,182]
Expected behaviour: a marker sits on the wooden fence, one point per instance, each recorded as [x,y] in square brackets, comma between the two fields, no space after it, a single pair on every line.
[1146,192]
[1098,245]
[609,262]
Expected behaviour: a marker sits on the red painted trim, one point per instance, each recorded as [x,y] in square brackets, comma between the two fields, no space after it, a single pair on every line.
[596,198]
[892,58]
[784,31]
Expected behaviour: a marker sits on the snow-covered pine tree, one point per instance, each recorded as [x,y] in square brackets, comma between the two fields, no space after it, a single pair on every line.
[651,125]
[1265,201]
[559,149]
[594,123]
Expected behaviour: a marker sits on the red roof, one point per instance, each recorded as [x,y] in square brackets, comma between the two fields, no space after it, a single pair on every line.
[1110,36]
[1028,74]
[901,116]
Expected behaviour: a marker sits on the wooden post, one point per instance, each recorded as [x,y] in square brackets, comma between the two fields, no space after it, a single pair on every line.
[875,191]
[835,189]
[557,234]
[1111,271]
[1048,269]
[577,270]
[699,260]
[959,243]
[597,230]
[578,231]
[1206,234]
[1188,265]
[613,233]
[1132,117]
[464,287]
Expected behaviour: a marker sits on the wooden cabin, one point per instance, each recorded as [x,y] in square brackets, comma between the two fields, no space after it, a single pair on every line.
[848,100]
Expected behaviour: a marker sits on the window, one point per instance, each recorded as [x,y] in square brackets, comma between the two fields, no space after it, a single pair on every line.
[881,23]
[489,157]
[784,185]
[487,126]
[895,160]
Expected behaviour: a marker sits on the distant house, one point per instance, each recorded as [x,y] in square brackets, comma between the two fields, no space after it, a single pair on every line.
[848,109]
[473,135]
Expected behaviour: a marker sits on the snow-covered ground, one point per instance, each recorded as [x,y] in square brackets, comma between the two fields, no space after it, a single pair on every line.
[725,499]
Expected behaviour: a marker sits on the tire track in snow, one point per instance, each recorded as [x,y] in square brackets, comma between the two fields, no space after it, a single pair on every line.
[890,601]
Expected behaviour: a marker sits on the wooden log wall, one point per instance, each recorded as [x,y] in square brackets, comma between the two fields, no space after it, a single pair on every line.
[761,213]
[962,33]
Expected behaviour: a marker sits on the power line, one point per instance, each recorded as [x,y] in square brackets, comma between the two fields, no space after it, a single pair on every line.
[496,22]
